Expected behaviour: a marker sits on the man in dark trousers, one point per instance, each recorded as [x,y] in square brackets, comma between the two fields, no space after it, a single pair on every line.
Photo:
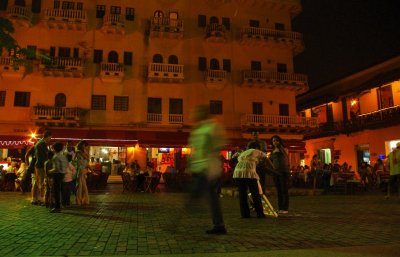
[41,156]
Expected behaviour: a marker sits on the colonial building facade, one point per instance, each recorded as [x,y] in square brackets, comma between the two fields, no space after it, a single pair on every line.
[358,115]
[127,73]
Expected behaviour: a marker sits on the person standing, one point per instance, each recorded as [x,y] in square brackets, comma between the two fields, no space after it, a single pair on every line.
[247,178]
[60,165]
[41,152]
[82,168]
[67,182]
[279,158]
[394,168]
[206,141]
[261,164]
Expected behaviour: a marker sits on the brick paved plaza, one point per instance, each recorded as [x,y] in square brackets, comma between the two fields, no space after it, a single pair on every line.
[134,224]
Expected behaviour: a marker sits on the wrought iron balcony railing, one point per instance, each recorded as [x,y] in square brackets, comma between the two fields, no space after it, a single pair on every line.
[166,25]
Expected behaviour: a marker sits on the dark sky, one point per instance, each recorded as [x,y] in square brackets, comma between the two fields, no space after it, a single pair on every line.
[344,36]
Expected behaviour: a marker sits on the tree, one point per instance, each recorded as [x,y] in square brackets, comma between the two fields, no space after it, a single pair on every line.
[9,43]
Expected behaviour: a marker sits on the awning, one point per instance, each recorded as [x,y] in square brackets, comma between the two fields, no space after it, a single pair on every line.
[14,141]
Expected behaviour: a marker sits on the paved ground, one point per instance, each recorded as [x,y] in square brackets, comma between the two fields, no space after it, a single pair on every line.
[137,224]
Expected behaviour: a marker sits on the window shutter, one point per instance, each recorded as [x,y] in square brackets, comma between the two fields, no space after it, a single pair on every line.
[226,22]
[202,21]
[226,63]
[202,63]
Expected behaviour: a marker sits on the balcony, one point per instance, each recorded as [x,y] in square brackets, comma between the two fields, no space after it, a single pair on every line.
[273,80]
[57,116]
[160,72]
[215,33]
[112,72]
[166,27]
[65,19]
[374,120]
[157,119]
[9,69]
[113,24]
[20,15]
[271,38]
[62,66]
[276,123]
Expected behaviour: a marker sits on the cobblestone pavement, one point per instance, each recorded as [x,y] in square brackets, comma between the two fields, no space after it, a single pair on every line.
[117,223]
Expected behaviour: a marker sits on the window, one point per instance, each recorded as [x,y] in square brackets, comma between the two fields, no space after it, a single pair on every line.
[202,21]
[226,63]
[36,6]
[257,108]
[79,6]
[214,64]
[121,103]
[226,22]
[113,57]
[283,109]
[215,107]
[22,99]
[56,4]
[68,5]
[19,3]
[3,5]
[202,63]
[115,10]
[98,102]
[97,56]
[130,14]
[214,20]
[154,105]
[254,23]
[100,11]
[255,65]
[128,58]
[76,52]
[64,52]
[52,51]
[281,67]
[60,100]
[175,106]
[279,26]
[2,98]
[173,59]
[157,58]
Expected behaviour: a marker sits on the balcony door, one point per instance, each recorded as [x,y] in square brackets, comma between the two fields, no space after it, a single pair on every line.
[385,97]
[60,100]
[283,109]
[257,108]
[113,57]
[214,64]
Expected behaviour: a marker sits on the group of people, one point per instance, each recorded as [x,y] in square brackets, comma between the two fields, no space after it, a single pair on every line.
[206,141]
[57,171]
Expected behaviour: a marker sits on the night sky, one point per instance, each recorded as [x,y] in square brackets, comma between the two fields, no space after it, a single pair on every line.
[344,36]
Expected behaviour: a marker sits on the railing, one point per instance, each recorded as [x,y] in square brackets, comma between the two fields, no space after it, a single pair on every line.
[175,118]
[154,117]
[263,76]
[215,74]
[215,29]
[166,24]
[380,115]
[5,61]
[114,20]
[113,67]
[76,15]
[266,120]
[61,63]
[264,32]
[20,12]
[162,67]
[57,113]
